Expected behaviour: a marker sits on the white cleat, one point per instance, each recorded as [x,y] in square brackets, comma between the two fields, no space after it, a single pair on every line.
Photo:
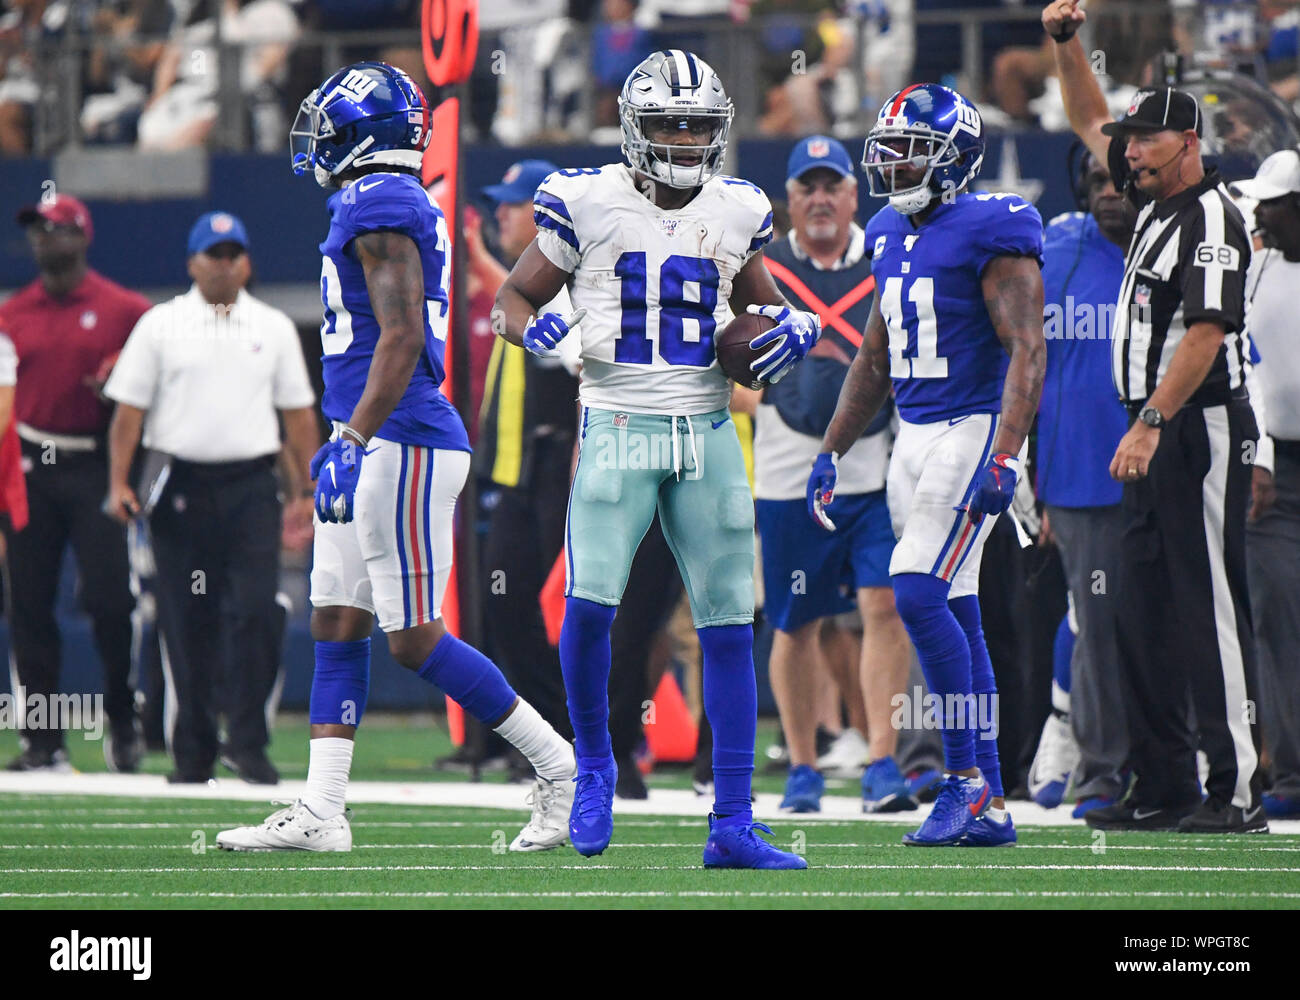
[846,757]
[549,825]
[295,828]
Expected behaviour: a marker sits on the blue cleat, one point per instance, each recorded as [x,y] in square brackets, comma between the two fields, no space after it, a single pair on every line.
[960,803]
[591,820]
[1281,806]
[924,785]
[1087,805]
[884,789]
[988,832]
[738,846]
[803,790]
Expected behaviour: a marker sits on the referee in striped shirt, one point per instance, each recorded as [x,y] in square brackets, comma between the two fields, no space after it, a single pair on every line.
[1178,357]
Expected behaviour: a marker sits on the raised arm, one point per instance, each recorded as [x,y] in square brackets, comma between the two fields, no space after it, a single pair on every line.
[1085,105]
[1013,295]
[395,281]
[865,387]
[531,284]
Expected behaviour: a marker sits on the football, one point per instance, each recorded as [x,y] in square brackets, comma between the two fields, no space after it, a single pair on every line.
[734,353]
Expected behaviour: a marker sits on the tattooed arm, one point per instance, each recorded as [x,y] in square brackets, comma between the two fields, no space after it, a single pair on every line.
[1013,295]
[865,387]
[395,281]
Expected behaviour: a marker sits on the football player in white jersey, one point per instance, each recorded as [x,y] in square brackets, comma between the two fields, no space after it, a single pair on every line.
[652,254]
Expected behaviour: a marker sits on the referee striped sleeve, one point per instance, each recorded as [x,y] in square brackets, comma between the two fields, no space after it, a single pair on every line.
[1212,206]
[550,212]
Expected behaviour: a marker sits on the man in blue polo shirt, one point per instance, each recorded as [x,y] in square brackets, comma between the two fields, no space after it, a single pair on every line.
[1080,423]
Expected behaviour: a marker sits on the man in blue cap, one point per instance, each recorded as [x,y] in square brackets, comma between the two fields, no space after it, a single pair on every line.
[200,381]
[810,575]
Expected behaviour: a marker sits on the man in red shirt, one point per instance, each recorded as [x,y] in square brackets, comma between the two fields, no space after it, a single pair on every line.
[67,328]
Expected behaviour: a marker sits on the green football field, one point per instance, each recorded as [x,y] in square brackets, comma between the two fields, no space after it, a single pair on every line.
[102,852]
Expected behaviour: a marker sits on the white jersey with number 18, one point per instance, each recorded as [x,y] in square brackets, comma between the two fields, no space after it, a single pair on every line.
[655,282]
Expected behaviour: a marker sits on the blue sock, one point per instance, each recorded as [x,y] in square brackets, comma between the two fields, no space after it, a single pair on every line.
[1062,653]
[945,655]
[341,683]
[731,704]
[472,680]
[584,660]
[967,612]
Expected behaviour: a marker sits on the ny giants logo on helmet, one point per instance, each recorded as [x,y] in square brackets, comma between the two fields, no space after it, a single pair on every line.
[356,86]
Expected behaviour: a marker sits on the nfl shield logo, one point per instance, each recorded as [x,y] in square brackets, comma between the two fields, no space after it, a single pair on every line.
[222,223]
[512,173]
[1142,295]
[88,319]
[620,420]
[817,148]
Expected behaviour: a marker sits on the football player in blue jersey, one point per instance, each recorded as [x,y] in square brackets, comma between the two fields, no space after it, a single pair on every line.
[957,328]
[388,479]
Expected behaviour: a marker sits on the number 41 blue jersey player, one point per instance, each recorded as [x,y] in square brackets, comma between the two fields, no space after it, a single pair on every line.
[388,479]
[957,328]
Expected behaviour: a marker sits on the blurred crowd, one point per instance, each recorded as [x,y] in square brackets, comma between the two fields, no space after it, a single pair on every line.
[149,72]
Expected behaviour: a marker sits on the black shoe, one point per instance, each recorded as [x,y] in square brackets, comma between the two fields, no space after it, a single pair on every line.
[254,768]
[467,761]
[630,784]
[1124,816]
[179,777]
[123,746]
[824,740]
[1213,816]
[36,759]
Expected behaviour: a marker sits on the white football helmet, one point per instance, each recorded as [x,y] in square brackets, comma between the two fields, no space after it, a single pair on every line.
[676,85]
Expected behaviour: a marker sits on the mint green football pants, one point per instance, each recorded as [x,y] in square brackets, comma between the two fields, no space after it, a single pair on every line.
[692,471]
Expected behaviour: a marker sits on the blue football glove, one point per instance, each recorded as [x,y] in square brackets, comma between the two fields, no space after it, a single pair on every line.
[996,487]
[545,331]
[793,337]
[821,489]
[336,468]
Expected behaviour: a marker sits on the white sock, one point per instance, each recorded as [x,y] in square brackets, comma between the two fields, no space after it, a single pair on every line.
[550,754]
[327,776]
[998,815]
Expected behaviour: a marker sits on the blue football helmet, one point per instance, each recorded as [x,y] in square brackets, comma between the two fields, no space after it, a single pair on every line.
[924,126]
[365,113]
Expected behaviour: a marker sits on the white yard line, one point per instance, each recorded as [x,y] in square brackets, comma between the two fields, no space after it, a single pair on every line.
[476,795]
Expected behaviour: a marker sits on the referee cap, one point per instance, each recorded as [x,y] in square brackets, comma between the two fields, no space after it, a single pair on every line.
[1157,110]
[1278,175]
[216,227]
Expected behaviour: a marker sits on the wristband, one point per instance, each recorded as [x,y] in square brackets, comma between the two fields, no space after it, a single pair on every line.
[1066,34]
[347,431]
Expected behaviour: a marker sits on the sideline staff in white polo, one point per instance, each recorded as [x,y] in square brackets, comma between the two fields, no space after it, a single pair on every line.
[204,375]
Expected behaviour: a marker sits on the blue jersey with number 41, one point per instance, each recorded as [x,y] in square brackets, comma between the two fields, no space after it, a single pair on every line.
[945,358]
[350,331]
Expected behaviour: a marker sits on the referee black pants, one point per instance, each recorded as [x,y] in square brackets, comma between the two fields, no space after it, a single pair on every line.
[1186,642]
[64,493]
[216,544]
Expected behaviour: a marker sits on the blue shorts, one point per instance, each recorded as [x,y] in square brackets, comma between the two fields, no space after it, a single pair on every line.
[809,573]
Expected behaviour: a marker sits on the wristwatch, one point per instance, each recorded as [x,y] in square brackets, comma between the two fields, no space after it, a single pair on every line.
[1152,417]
